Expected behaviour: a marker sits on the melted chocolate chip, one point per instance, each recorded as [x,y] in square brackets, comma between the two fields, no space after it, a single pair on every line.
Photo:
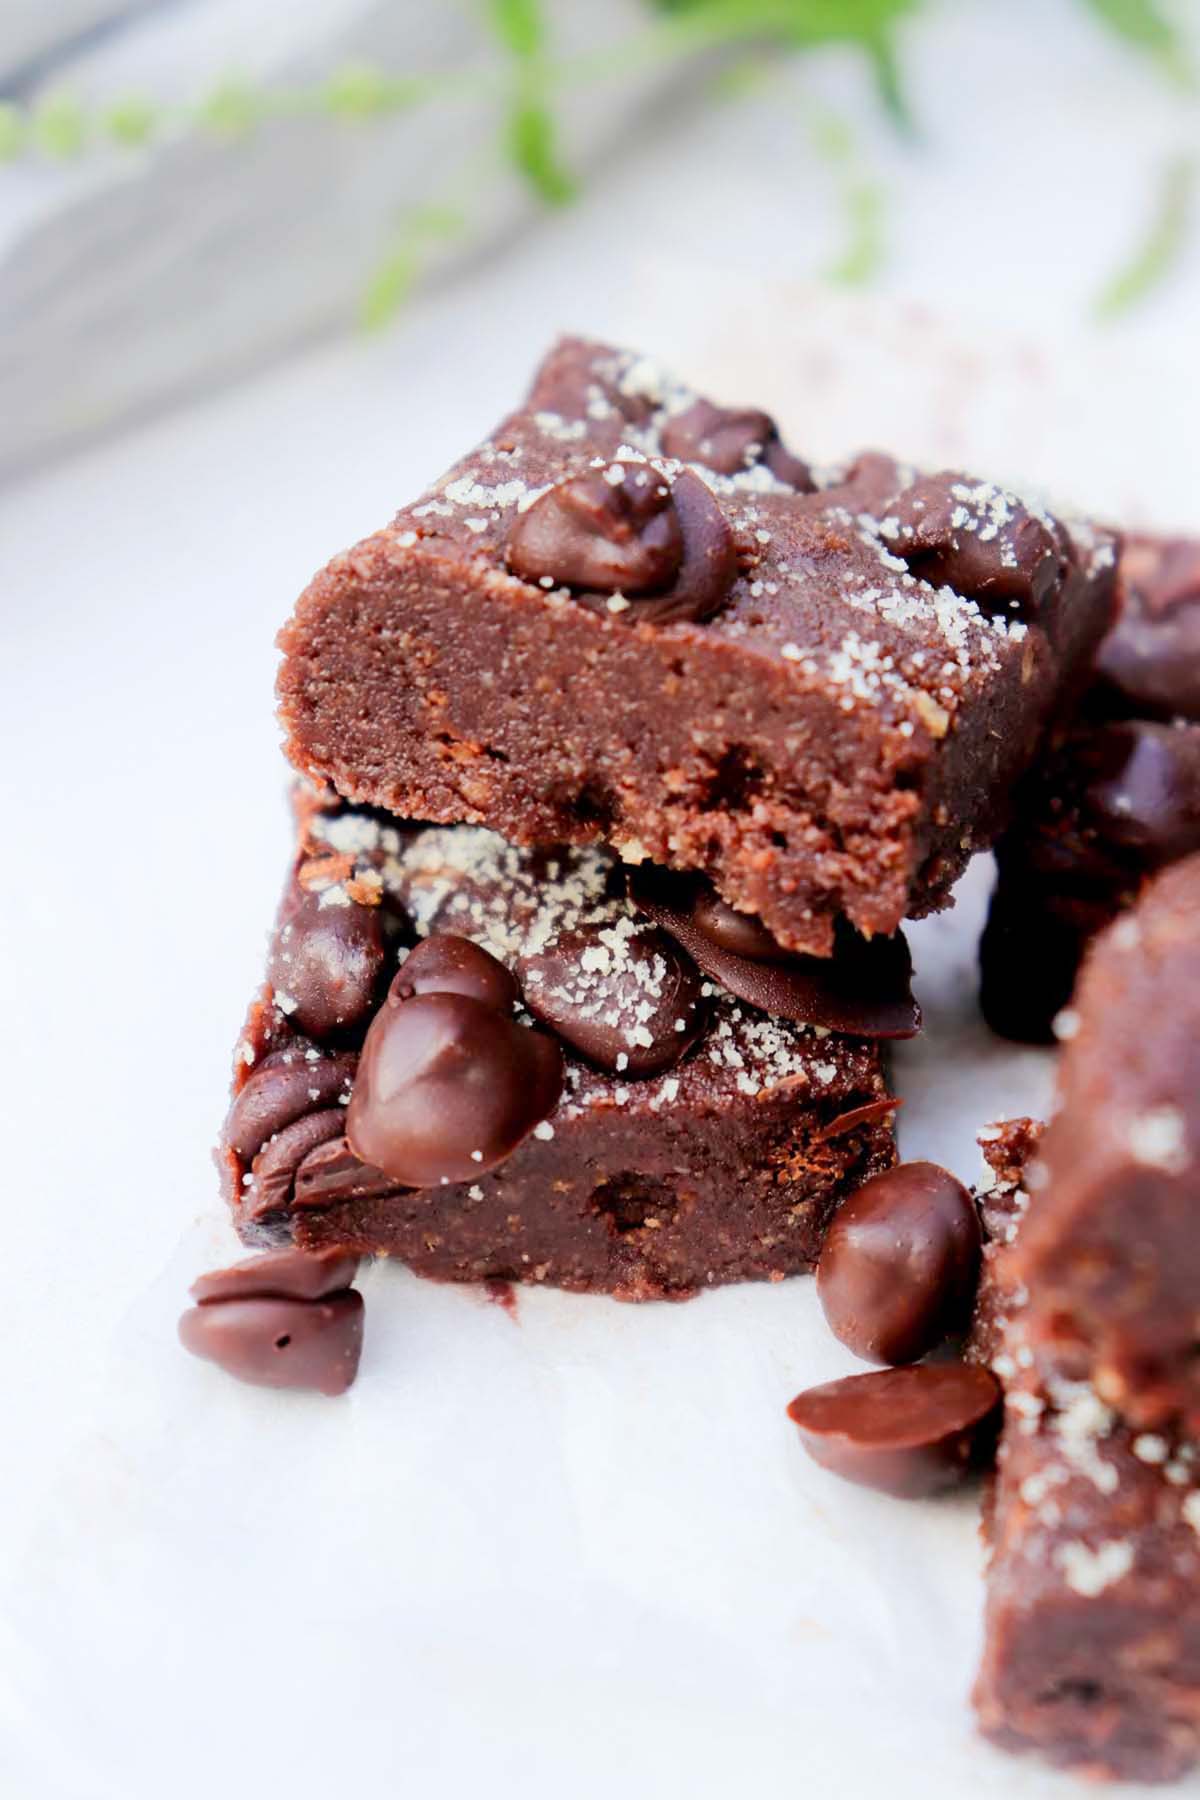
[278,1275]
[447,1087]
[1142,792]
[286,1084]
[909,1432]
[738,932]
[729,439]
[1150,661]
[275,1166]
[602,536]
[982,543]
[281,1343]
[327,962]
[332,1173]
[900,1264]
[447,964]
[628,1001]
[862,990]
[710,564]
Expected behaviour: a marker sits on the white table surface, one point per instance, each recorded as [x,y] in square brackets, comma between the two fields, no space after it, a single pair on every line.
[581,1553]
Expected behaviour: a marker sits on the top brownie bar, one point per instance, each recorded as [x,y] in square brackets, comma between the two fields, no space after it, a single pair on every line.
[636,617]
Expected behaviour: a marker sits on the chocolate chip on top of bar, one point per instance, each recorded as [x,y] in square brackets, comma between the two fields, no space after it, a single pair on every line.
[634,617]
[528,1077]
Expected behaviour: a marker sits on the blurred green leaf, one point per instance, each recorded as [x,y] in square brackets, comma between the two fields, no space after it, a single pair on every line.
[533,150]
[389,287]
[232,109]
[12,132]
[361,91]
[58,126]
[864,252]
[1156,257]
[520,25]
[810,21]
[130,121]
[1144,24]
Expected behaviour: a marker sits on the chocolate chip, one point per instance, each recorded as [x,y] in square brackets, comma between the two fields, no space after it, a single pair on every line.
[909,1432]
[278,1275]
[447,1088]
[730,439]
[709,566]
[665,547]
[983,543]
[625,996]
[286,1084]
[274,1168]
[862,990]
[601,536]
[280,1343]
[447,964]
[738,932]
[1142,789]
[332,1173]
[900,1264]
[327,962]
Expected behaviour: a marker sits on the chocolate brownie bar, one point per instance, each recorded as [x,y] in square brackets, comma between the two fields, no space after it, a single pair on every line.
[1092,1640]
[1117,799]
[1112,1267]
[629,1126]
[634,617]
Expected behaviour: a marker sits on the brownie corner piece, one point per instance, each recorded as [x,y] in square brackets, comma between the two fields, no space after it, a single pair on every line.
[635,617]
[703,1145]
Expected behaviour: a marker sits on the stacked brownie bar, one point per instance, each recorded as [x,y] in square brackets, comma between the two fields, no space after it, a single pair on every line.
[1089,1315]
[623,754]
[1116,799]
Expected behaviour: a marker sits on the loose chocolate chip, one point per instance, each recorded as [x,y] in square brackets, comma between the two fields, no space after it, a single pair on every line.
[278,1275]
[1142,792]
[274,1168]
[286,1084]
[446,964]
[862,990]
[900,1264]
[332,1173]
[601,536]
[624,996]
[281,1343]
[326,963]
[729,439]
[447,1088]
[908,1432]
[987,546]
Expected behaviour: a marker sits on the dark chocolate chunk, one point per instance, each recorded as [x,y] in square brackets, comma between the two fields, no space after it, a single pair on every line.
[863,989]
[729,439]
[981,542]
[602,536]
[447,964]
[909,1432]
[709,566]
[278,1275]
[326,962]
[285,1085]
[900,1264]
[625,995]
[447,1087]
[281,1343]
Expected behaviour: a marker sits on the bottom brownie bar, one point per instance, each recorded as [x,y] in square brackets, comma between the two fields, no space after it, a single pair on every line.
[713,1147]
[1092,1638]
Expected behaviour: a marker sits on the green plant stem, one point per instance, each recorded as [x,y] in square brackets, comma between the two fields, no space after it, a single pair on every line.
[1155,258]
